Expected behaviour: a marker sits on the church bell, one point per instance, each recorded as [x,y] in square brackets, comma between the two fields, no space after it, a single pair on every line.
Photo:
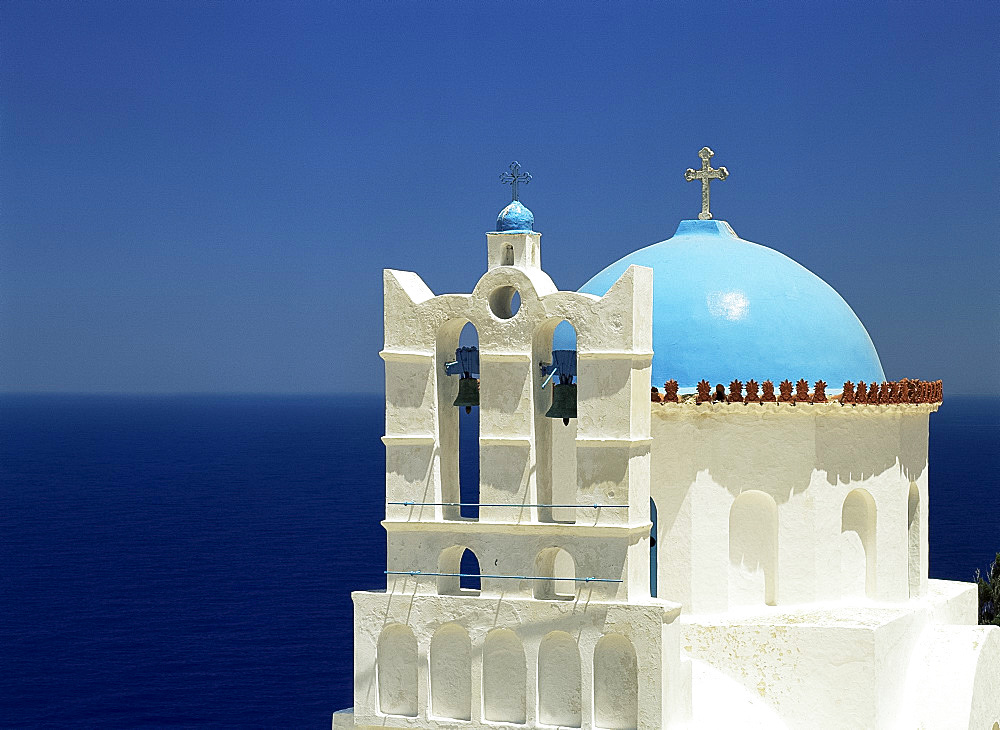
[564,392]
[466,364]
[468,394]
[563,402]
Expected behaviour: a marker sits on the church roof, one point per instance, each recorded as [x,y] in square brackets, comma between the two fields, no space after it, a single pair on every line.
[725,308]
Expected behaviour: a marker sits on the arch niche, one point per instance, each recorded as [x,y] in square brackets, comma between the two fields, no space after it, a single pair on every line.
[451,673]
[559,681]
[753,550]
[504,677]
[858,517]
[616,684]
[396,671]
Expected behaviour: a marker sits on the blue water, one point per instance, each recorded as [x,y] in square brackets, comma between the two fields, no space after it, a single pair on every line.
[188,561]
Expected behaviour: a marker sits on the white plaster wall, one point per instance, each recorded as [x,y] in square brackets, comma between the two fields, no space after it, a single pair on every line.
[808,458]
[605,552]
[954,680]
[843,665]
[829,668]
[524,623]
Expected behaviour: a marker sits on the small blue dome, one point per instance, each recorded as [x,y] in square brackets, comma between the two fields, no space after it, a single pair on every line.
[725,309]
[515,217]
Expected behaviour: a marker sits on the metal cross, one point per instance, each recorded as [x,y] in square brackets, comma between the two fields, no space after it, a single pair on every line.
[513,177]
[706,174]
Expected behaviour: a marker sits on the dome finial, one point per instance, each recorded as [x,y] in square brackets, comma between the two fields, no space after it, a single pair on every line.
[515,217]
[513,177]
[706,174]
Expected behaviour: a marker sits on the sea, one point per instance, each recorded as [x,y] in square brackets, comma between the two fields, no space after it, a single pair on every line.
[187,561]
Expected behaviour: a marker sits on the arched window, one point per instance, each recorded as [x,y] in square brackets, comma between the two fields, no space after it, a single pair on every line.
[468,439]
[652,549]
[559,680]
[913,556]
[469,568]
[396,671]
[458,418]
[504,677]
[616,684]
[555,563]
[753,549]
[460,571]
[451,673]
[507,259]
[858,529]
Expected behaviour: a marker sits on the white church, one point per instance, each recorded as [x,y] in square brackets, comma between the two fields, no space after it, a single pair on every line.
[699,505]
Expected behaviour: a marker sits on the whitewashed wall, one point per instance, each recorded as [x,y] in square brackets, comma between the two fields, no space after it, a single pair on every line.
[735,482]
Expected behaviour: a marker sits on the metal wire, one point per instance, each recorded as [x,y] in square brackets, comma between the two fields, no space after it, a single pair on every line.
[486,504]
[517,577]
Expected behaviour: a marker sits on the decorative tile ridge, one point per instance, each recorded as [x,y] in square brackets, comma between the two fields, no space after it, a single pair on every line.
[887,393]
[688,408]
[900,391]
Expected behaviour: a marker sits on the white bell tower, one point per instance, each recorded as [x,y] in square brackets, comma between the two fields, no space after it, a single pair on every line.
[562,630]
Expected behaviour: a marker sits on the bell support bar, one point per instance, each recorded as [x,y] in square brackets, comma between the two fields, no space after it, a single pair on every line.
[516,577]
[563,363]
[466,362]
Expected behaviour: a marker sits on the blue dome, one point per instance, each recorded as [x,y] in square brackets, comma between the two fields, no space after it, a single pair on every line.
[515,217]
[725,309]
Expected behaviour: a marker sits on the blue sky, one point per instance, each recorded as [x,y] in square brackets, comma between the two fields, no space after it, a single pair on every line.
[201,196]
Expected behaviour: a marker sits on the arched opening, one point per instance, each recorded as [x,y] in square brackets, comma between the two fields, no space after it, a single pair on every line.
[505,677]
[753,549]
[471,572]
[468,439]
[858,528]
[451,673]
[616,684]
[559,681]
[652,549]
[459,568]
[556,571]
[507,258]
[396,671]
[913,539]
[558,400]
[458,418]
[505,301]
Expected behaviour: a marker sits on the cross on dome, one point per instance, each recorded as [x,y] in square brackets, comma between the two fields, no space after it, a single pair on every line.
[706,174]
[513,177]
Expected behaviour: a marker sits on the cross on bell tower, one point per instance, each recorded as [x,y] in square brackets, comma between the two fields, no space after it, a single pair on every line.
[706,174]
[513,177]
